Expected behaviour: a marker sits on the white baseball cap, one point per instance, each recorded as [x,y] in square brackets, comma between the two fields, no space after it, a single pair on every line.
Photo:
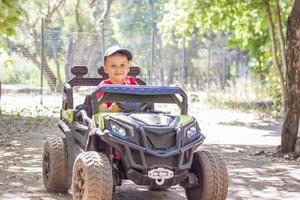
[114,49]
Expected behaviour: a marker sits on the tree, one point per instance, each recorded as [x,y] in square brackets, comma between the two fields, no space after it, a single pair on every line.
[93,21]
[28,40]
[291,120]
[61,17]
[138,31]
[10,17]
[250,25]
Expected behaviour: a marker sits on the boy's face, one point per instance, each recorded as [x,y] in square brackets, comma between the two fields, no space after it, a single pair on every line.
[117,67]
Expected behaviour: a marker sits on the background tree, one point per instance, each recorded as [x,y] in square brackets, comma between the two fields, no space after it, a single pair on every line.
[291,120]
[138,30]
[28,40]
[90,17]
[249,24]
[255,26]
[60,18]
[10,17]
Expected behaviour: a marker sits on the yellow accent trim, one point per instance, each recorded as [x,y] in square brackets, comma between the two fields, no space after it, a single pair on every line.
[99,117]
[184,119]
[68,115]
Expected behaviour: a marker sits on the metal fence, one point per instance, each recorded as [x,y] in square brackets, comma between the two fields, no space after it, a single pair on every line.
[189,67]
[194,67]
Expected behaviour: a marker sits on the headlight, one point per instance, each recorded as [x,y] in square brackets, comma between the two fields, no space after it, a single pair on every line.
[191,131]
[117,129]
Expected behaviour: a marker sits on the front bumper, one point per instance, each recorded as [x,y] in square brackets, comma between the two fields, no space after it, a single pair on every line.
[144,159]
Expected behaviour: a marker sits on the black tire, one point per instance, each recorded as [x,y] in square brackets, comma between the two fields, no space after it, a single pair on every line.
[159,187]
[212,175]
[223,177]
[55,166]
[92,177]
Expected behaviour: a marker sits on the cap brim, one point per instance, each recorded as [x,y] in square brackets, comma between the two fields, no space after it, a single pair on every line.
[124,51]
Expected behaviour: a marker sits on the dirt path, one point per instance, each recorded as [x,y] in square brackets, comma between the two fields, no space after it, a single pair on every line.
[253,174]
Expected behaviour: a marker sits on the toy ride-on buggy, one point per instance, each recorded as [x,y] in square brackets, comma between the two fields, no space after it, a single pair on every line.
[150,147]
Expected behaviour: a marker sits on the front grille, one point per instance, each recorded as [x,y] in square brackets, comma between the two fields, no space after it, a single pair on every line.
[136,156]
[154,160]
[161,142]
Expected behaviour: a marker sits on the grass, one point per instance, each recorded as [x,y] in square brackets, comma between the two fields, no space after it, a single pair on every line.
[242,95]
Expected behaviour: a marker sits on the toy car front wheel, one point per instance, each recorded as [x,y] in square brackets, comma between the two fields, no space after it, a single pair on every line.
[92,177]
[212,175]
[55,166]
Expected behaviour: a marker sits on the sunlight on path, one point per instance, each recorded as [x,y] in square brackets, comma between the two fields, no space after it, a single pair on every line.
[220,134]
[236,135]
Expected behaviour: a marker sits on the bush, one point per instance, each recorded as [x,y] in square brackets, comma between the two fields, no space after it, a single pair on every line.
[19,71]
[241,95]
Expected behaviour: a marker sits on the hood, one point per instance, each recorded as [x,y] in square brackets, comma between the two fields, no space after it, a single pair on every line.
[152,119]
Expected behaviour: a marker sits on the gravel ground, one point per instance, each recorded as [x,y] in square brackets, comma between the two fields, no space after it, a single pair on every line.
[246,141]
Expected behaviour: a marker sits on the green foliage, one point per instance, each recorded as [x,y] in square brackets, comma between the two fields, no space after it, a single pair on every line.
[241,96]
[15,71]
[275,91]
[9,17]
[244,21]
[132,28]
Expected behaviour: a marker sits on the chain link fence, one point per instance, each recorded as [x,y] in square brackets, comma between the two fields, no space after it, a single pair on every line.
[194,67]
[191,67]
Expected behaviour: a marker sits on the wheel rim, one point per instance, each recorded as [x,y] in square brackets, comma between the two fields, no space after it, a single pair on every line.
[198,190]
[79,183]
[46,165]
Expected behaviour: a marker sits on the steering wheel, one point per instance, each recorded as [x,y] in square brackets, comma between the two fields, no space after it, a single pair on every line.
[129,106]
[135,106]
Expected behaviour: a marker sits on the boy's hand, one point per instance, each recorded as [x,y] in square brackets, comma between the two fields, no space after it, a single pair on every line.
[114,108]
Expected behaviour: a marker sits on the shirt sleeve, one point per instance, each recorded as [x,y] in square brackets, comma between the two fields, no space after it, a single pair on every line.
[99,95]
[130,80]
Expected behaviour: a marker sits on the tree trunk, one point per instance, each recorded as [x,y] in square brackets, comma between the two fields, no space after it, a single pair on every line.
[291,120]
[70,58]
[0,95]
[56,60]
[75,44]
[170,79]
[50,77]
[275,57]
[281,37]
[162,76]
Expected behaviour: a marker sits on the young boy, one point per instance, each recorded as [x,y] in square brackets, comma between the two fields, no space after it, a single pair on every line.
[116,65]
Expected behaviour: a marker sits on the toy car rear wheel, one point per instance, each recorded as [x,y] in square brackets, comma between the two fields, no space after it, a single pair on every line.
[212,175]
[55,166]
[159,187]
[92,177]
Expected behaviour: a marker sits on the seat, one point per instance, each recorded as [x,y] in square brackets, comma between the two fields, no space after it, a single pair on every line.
[87,105]
[134,71]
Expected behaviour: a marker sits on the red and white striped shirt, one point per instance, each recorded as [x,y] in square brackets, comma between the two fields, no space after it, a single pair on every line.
[128,80]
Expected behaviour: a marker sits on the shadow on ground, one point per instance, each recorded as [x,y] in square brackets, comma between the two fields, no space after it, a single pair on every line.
[254,174]
[263,124]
